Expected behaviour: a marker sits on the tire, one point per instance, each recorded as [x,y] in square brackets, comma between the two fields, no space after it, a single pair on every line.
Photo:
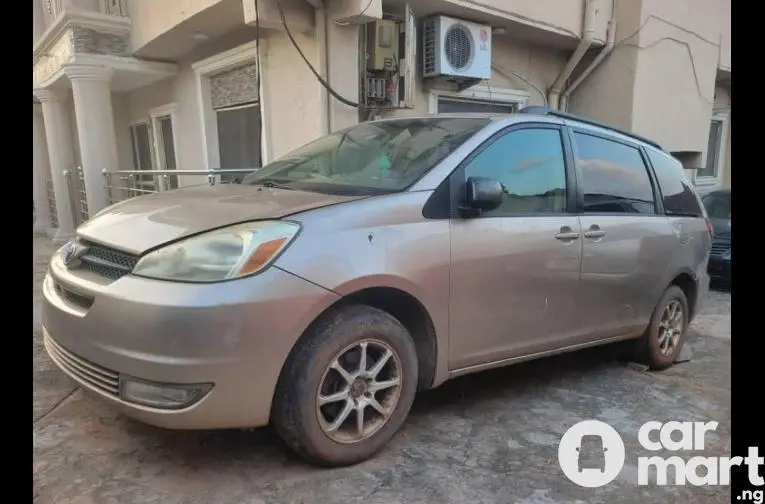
[650,351]
[296,414]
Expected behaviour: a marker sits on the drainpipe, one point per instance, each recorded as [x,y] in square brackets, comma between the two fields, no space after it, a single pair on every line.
[588,37]
[320,25]
[610,42]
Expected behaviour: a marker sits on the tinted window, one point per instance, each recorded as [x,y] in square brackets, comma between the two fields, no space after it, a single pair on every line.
[614,177]
[530,165]
[676,191]
[718,205]
[371,158]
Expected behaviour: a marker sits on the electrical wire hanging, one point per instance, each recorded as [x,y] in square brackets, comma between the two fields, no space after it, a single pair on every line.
[258,77]
[323,82]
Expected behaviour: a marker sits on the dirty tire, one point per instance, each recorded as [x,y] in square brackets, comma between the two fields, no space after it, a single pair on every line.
[294,412]
[647,347]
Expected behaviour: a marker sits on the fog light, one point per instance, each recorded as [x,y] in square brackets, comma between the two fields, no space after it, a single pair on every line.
[161,395]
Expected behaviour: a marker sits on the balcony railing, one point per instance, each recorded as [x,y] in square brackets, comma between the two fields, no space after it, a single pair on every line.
[125,184]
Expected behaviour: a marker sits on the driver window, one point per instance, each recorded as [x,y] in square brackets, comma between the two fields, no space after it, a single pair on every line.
[530,165]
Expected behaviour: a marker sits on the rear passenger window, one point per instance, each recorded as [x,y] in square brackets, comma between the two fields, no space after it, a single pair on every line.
[614,177]
[676,191]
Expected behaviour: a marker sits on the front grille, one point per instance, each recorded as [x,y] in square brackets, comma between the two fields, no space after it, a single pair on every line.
[107,262]
[92,375]
[720,246]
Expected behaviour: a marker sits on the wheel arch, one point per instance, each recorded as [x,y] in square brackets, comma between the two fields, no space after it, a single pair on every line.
[402,305]
[686,280]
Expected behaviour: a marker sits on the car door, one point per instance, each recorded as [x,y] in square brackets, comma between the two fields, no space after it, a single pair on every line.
[515,270]
[626,244]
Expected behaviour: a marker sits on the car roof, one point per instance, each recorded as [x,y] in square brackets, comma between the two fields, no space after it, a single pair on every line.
[540,114]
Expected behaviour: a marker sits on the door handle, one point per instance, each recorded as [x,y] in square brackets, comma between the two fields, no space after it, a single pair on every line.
[594,232]
[566,234]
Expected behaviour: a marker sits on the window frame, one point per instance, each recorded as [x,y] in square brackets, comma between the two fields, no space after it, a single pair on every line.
[456,180]
[479,94]
[216,116]
[251,52]
[657,198]
[722,142]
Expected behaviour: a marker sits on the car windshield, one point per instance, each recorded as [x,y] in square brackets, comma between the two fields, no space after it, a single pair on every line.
[370,158]
[717,205]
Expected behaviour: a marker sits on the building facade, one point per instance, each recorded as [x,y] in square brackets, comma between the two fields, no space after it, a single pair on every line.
[194,85]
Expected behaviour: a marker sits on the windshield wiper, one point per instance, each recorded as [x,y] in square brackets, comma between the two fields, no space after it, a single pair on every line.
[273,185]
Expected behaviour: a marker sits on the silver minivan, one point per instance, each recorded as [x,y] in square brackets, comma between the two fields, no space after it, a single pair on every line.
[327,288]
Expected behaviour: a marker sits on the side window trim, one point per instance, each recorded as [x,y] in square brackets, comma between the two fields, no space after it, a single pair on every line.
[456,179]
[658,194]
[648,168]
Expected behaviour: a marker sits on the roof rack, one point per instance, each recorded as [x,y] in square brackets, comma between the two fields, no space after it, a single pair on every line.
[547,111]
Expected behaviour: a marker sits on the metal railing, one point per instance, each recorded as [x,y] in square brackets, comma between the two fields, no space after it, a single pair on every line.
[124,184]
[52,203]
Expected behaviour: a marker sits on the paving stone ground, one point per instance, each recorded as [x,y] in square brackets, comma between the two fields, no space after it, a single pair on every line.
[487,438]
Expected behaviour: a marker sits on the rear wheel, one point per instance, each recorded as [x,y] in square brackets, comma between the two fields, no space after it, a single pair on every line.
[661,344]
[347,389]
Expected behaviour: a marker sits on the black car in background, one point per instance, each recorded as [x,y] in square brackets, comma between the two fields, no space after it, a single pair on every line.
[718,208]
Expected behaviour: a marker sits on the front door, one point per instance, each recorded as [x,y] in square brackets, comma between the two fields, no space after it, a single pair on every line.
[625,243]
[515,269]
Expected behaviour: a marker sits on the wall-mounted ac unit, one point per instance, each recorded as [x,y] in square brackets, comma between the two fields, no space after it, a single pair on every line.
[455,48]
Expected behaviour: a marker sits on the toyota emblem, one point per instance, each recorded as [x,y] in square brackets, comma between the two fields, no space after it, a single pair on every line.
[72,252]
[69,252]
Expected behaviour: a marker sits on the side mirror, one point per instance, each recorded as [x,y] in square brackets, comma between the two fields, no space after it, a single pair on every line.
[482,194]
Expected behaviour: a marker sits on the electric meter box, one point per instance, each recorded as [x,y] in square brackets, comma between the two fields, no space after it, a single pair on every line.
[383,45]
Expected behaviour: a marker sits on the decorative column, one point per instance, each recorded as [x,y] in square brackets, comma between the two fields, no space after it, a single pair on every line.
[58,132]
[95,129]
[40,174]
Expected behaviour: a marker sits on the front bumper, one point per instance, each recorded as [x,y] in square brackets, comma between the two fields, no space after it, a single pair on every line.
[234,335]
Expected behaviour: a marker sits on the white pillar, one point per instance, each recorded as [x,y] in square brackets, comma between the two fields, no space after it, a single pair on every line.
[95,129]
[58,133]
[40,174]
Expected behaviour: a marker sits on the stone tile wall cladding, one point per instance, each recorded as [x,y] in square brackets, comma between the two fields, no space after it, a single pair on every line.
[236,86]
[90,41]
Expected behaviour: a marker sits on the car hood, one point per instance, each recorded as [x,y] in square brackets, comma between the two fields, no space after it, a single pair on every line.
[145,222]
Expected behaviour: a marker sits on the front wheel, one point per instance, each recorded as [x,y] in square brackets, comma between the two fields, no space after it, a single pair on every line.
[663,339]
[347,388]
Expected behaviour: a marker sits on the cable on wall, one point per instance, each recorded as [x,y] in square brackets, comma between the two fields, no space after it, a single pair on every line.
[357,16]
[323,82]
[258,77]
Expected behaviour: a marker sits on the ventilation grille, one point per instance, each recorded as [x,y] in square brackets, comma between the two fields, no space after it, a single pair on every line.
[458,47]
[429,46]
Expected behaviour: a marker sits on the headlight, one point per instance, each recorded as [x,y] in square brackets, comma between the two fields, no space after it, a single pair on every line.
[223,254]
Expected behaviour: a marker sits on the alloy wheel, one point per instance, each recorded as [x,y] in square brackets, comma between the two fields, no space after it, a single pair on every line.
[359,391]
[670,328]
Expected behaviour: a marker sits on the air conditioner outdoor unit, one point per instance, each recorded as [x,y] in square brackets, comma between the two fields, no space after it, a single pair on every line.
[456,48]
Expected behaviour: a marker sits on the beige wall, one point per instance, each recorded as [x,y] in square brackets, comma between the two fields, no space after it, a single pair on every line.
[664,64]
[291,100]
[667,69]
[538,65]
[151,18]
[676,72]
[562,17]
